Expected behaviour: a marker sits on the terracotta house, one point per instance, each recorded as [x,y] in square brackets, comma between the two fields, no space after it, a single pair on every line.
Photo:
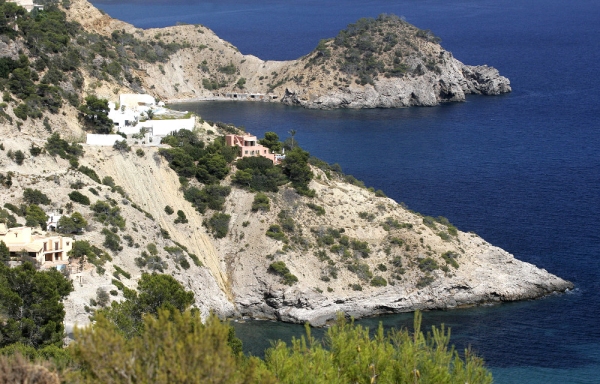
[248,145]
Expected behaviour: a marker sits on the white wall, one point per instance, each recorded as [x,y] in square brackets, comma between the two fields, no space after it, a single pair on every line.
[164,127]
[103,140]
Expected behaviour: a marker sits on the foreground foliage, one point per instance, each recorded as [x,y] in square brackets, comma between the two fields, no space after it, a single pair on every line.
[31,311]
[177,347]
[154,337]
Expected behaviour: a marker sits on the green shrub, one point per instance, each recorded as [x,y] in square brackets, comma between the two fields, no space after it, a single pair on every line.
[112,241]
[35,196]
[169,210]
[362,270]
[218,224]
[286,221]
[276,233]
[261,202]
[120,271]
[444,236]
[258,173]
[89,173]
[107,214]
[317,208]
[181,218]
[195,259]
[279,268]
[356,287]
[378,281]
[450,258]
[211,196]
[429,221]
[79,197]
[109,181]
[140,152]
[360,247]
[35,150]
[425,281]
[428,264]
[57,146]
[74,224]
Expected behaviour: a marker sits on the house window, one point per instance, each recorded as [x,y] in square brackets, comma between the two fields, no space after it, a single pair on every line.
[246,152]
[56,245]
[45,247]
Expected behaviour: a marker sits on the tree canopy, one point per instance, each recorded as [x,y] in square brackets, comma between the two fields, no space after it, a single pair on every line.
[30,305]
[155,291]
[95,114]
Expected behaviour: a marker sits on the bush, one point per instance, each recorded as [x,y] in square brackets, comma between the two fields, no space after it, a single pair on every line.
[140,152]
[74,224]
[362,271]
[211,196]
[450,258]
[279,268]
[428,264]
[35,196]
[89,173]
[181,218]
[79,197]
[261,202]
[276,233]
[121,146]
[112,241]
[378,281]
[169,210]
[425,281]
[57,146]
[35,216]
[317,208]
[35,150]
[107,214]
[429,221]
[219,224]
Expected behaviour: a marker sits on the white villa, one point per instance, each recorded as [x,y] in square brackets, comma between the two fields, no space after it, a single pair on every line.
[28,4]
[131,118]
[46,251]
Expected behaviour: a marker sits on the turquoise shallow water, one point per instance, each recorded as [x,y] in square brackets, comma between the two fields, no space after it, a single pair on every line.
[522,170]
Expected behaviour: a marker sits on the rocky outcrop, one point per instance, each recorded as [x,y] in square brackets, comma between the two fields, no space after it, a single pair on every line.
[455,81]
[483,273]
[495,277]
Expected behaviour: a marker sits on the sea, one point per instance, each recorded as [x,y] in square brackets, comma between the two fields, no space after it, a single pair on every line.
[522,170]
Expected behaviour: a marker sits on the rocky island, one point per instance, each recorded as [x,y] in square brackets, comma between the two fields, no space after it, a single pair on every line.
[297,241]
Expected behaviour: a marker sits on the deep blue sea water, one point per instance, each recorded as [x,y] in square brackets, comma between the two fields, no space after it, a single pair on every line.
[522,170]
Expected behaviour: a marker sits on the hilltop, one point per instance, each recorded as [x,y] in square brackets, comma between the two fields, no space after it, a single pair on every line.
[326,243]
